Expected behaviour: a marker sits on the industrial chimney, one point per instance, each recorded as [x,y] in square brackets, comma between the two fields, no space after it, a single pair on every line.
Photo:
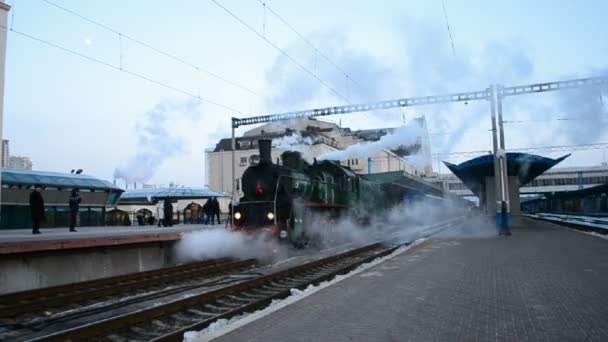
[265,149]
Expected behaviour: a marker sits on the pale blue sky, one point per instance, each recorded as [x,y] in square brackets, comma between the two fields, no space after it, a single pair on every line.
[66,112]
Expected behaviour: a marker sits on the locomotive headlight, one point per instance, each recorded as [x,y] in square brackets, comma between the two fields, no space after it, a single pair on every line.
[237,215]
[270,216]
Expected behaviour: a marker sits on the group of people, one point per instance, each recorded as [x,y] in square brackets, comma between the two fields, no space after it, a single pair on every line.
[211,210]
[37,208]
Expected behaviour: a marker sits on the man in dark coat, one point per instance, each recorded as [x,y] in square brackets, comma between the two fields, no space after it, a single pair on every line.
[36,208]
[216,209]
[208,209]
[74,206]
[168,213]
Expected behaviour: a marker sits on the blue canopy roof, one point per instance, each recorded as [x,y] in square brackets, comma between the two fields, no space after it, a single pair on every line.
[54,179]
[154,194]
[522,165]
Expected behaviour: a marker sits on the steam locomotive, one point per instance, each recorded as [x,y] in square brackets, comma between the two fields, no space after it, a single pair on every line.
[280,199]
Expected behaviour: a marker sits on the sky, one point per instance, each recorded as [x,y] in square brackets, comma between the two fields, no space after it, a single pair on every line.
[66,111]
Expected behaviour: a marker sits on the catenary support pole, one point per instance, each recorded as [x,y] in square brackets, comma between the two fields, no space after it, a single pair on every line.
[504,176]
[233,177]
[497,178]
[4,8]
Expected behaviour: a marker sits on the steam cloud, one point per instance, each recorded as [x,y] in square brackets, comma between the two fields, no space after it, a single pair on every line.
[295,142]
[405,222]
[154,142]
[221,243]
[402,136]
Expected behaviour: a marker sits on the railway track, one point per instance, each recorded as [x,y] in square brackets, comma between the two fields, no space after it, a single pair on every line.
[582,226]
[168,322]
[29,311]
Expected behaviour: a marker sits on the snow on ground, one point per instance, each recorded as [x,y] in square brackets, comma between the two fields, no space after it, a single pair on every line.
[224,326]
[571,220]
[595,222]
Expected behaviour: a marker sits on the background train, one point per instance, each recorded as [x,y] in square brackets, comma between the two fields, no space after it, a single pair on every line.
[590,201]
[282,199]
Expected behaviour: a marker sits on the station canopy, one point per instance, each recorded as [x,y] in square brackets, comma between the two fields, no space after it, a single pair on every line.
[156,194]
[29,178]
[524,166]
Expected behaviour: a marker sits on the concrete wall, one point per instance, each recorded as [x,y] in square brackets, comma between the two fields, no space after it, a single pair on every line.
[37,270]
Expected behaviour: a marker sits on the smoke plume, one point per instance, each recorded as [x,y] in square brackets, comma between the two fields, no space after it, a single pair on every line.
[402,136]
[295,142]
[155,144]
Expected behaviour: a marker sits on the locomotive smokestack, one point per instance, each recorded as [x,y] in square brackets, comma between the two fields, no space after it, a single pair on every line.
[265,148]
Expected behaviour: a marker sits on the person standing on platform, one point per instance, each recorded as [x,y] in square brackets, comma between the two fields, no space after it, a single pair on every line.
[208,210]
[216,209]
[36,208]
[74,206]
[168,213]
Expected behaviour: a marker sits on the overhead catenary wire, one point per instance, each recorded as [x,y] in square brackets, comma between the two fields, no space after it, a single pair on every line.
[447,23]
[316,50]
[118,68]
[155,49]
[556,148]
[308,42]
[283,52]
[543,120]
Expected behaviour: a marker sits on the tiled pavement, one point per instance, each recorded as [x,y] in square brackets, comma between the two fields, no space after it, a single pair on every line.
[541,284]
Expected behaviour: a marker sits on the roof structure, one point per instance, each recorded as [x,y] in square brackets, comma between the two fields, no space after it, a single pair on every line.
[405,180]
[522,165]
[152,195]
[18,177]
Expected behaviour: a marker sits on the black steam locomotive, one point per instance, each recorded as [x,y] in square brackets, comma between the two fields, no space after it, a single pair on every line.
[279,199]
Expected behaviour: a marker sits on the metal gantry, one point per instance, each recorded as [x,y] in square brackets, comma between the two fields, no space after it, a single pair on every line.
[494,93]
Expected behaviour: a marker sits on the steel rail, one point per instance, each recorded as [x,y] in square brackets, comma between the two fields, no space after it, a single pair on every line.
[168,322]
[62,296]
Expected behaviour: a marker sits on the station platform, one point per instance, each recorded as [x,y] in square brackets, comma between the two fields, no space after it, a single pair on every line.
[543,283]
[58,256]
[16,241]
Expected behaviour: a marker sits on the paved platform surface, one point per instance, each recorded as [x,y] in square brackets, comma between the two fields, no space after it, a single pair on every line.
[23,241]
[544,283]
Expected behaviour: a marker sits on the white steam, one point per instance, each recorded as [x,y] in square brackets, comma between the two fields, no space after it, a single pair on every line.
[401,137]
[221,243]
[155,144]
[295,142]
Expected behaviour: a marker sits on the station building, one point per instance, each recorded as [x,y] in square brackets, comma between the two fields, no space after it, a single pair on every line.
[97,196]
[312,138]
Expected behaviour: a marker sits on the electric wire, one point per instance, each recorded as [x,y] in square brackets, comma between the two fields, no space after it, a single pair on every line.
[557,148]
[283,52]
[155,49]
[447,23]
[118,68]
[313,47]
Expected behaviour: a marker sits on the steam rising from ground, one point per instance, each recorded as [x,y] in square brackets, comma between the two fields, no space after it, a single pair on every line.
[402,136]
[222,243]
[406,222]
